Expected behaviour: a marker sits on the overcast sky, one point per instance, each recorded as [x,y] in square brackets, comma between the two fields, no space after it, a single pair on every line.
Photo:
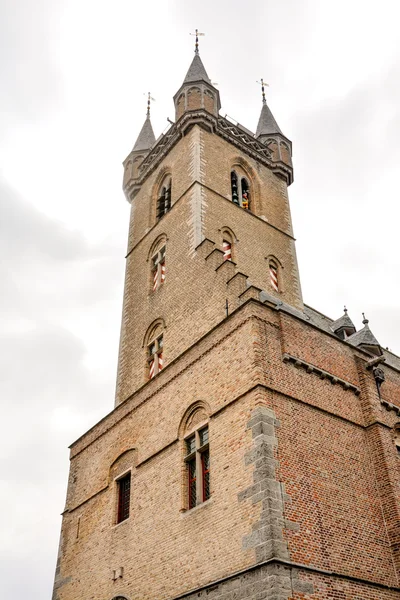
[72,78]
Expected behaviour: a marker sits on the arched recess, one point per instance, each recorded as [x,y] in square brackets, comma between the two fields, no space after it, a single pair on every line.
[194,98]
[122,463]
[119,597]
[228,243]
[160,241]
[244,170]
[156,328]
[194,415]
[162,176]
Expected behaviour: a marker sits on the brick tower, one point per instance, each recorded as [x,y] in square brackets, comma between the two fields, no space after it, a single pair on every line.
[253,448]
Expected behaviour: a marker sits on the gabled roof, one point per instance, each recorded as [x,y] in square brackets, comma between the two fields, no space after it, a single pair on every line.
[266,123]
[196,71]
[146,137]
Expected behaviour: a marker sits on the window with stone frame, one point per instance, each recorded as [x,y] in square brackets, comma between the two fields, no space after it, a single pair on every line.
[123,497]
[158,268]
[164,198]
[155,356]
[240,189]
[197,460]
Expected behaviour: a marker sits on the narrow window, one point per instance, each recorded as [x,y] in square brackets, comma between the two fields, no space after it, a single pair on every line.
[124,496]
[245,194]
[155,357]
[273,275]
[234,187]
[164,201]
[227,249]
[158,268]
[198,468]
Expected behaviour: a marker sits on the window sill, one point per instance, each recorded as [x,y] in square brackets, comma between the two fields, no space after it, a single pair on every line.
[116,525]
[190,511]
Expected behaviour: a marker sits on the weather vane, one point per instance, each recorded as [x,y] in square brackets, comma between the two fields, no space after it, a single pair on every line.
[262,83]
[149,99]
[196,46]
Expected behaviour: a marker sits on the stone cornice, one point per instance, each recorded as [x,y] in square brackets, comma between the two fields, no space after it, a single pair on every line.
[222,127]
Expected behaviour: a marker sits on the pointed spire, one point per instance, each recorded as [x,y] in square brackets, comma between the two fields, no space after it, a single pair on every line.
[343,325]
[196,71]
[266,123]
[146,137]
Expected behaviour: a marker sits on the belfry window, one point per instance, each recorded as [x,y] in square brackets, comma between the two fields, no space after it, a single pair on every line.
[158,268]
[273,275]
[155,356]
[245,194]
[197,461]
[164,200]
[240,191]
[124,497]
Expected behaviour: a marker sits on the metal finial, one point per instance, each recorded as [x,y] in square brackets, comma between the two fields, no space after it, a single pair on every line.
[345,309]
[196,46]
[149,99]
[263,84]
[365,320]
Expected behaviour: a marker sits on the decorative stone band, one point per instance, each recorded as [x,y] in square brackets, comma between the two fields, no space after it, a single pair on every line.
[297,362]
[390,406]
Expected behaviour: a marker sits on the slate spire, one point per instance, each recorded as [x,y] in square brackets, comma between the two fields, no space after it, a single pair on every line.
[196,71]
[146,137]
[266,123]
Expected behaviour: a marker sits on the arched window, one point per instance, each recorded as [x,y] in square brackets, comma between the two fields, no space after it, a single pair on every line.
[274,275]
[240,189]
[228,238]
[158,268]
[154,342]
[164,199]
[196,455]
[197,461]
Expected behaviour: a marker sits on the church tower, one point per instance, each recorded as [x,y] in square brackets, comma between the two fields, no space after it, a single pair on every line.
[251,452]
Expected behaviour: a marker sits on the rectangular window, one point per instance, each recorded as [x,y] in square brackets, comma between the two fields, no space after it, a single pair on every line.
[124,497]
[205,468]
[192,482]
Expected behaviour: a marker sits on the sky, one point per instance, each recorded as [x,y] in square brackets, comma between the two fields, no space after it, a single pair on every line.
[73,79]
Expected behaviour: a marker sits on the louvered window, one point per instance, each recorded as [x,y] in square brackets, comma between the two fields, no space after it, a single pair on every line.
[124,495]
[164,200]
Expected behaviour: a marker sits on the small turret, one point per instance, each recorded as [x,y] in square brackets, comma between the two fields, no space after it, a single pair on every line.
[269,133]
[344,326]
[366,340]
[143,144]
[196,91]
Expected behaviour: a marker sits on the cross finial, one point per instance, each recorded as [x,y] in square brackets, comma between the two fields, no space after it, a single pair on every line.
[263,84]
[149,99]
[196,46]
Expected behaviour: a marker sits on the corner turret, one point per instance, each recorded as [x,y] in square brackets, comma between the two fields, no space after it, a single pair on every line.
[143,144]
[269,133]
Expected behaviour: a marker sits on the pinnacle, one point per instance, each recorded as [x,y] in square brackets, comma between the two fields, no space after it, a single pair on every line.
[146,137]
